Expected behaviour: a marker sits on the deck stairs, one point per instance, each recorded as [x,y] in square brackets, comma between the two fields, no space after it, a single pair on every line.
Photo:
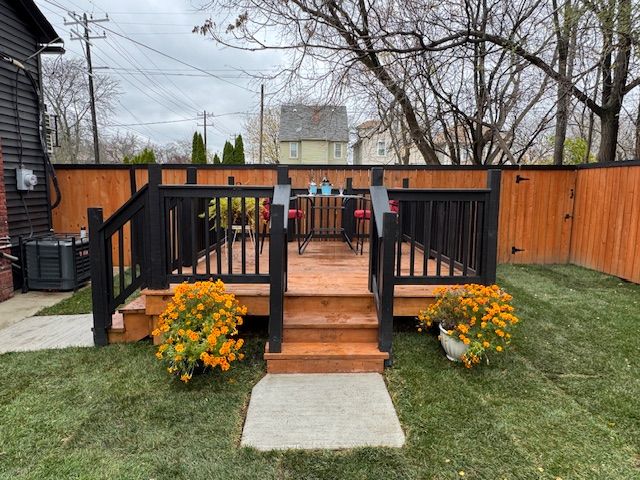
[328,335]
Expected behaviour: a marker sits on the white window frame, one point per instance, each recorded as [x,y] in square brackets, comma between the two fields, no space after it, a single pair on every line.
[384,148]
[337,146]
[291,153]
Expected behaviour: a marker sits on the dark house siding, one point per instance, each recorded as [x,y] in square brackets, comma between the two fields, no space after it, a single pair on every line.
[31,209]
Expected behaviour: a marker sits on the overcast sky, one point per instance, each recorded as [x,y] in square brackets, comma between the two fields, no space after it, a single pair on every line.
[156,88]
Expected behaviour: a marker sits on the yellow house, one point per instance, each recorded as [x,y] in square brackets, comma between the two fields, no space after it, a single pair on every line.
[313,135]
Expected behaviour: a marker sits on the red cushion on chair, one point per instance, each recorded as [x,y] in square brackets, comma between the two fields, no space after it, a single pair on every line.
[366,214]
[394,206]
[293,213]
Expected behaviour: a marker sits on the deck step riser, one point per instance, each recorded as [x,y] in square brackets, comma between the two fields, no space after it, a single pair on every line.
[321,304]
[326,335]
[136,327]
[325,366]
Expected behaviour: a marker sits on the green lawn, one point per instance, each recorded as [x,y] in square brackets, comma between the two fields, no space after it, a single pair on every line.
[563,403]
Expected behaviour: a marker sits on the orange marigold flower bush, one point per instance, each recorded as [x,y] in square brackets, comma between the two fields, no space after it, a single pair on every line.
[198,329]
[479,316]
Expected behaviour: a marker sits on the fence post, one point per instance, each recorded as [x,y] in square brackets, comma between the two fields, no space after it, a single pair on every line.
[282,176]
[231,180]
[405,183]
[387,285]
[186,240]
[99,297]
[490,253]
[377,176]
[277,246]
[156,237]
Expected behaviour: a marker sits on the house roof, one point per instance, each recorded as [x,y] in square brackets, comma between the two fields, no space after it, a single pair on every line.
[313,122]
[41,28]
[367,124]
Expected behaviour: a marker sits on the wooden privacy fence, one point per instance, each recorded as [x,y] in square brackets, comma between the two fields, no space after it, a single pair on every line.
[586,215]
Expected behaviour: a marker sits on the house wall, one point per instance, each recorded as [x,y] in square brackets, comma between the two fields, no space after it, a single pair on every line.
[30,211]
[367,151]
[313,152]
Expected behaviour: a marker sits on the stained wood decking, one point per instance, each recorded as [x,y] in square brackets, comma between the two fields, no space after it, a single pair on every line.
[326,269]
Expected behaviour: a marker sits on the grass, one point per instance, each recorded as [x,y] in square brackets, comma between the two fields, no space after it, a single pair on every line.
[562,403]
[80,302]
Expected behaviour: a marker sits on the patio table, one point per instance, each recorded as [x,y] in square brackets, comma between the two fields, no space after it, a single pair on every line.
[326,206]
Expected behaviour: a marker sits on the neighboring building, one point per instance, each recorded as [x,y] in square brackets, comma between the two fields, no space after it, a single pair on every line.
[313,134]
[376,146]
[24,34]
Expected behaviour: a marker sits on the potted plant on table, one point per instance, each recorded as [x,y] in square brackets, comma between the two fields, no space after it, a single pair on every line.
[474,321]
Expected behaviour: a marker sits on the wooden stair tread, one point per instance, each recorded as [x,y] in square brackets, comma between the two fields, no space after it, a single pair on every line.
[137,305]
[321,351]
[330,320]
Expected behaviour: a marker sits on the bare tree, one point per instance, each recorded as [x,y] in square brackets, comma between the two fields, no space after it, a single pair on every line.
[270,136]
[67,93]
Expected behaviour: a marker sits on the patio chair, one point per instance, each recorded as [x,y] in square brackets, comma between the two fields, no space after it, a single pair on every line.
[294,214]
[362,215]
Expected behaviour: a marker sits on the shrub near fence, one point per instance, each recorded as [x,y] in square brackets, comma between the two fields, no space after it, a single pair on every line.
[587,215]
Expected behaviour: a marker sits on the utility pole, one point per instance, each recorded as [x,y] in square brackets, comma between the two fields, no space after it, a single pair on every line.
[261,122]
[84,21]
[204,116]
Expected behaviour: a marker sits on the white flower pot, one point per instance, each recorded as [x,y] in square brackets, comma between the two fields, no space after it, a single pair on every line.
[453,347]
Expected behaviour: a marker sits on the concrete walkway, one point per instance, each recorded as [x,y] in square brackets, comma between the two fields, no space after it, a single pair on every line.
[40,333]
[321,411]
[24,305]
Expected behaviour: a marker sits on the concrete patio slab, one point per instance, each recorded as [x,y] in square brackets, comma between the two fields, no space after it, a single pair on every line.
[40,333]
[321,411]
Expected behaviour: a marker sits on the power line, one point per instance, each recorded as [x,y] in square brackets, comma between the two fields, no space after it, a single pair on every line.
[153,123]
[178,60]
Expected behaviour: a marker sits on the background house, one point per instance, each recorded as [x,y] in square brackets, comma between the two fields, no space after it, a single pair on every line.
[24,34]
[376,144]
[313,134]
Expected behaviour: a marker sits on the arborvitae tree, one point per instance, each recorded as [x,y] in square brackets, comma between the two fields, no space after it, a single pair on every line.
[198,153]
[145,157]
[216,159]
[227,153]
[238,151]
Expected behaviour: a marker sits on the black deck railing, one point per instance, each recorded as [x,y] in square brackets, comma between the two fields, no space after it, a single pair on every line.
[178,233]
[437,236]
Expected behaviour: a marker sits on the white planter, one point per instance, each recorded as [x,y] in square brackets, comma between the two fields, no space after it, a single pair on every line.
[453,347]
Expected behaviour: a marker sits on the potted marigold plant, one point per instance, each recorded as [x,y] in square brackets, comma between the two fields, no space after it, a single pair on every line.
[474,321]
[199,329]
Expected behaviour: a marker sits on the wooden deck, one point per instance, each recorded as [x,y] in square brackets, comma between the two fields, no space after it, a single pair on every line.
[325,269]
[330,320]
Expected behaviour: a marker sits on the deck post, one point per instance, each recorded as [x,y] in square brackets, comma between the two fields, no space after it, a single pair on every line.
[97,247]
[156,236]
[349,208]
[377,179]
[490,250]
[386,289]
[186,240]
[405,183]
[277,246]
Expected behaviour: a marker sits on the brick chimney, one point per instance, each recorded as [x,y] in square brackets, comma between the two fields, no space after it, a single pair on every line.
[6,275]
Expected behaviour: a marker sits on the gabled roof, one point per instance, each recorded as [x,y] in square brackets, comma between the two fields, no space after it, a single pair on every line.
[41,28]
[313,122]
